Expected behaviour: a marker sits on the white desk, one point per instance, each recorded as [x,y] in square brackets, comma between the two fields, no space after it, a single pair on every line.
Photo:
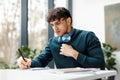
[13,74]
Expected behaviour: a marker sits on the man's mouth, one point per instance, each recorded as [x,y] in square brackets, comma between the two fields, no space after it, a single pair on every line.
[57,32]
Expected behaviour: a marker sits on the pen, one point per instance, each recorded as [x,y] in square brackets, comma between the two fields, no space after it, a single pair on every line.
[21,55]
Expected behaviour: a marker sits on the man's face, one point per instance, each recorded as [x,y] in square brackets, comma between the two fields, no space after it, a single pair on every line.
[60,27]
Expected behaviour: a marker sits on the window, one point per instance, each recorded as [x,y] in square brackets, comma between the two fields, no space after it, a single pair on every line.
[9,29]
[37,26]
[58,3]
[10,26]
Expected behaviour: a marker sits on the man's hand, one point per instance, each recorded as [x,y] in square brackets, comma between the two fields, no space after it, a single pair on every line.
[24,64]
[67,50]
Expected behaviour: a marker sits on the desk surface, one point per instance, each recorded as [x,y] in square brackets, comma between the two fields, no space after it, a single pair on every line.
[50,74]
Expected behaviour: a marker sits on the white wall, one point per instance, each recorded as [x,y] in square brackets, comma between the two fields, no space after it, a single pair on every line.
[89,15]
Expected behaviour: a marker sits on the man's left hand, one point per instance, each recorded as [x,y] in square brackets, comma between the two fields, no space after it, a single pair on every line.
[67,50]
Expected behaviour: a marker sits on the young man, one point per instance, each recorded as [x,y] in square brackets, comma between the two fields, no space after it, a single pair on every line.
[69,47]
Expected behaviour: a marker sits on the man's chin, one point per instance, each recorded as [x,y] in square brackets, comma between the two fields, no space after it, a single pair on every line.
[57,35]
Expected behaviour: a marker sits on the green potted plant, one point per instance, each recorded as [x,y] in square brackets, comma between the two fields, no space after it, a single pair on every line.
[109,57]
[110,60]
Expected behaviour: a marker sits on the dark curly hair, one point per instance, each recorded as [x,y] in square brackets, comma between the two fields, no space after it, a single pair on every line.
[57,14]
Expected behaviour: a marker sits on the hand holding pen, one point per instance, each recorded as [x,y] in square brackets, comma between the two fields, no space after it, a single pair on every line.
[23,63]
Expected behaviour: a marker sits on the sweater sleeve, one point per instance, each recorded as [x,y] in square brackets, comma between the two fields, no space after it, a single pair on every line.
[94,57]
[42,59]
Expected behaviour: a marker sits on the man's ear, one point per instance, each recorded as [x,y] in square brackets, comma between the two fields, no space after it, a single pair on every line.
[68,20]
